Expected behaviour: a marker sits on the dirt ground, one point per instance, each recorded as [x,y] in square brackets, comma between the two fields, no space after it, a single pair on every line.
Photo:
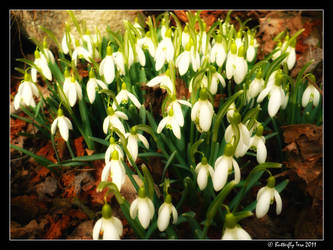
[64,204]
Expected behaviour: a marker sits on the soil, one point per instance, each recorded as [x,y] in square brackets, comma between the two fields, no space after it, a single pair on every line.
[64,204]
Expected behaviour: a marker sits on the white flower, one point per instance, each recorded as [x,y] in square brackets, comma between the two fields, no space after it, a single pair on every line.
[255,88]
[41,61]
[251,50]
[63,123]
[164,214]
[132,142]
[165,51]
[170,122]
[164,81]
[123,96]
[202,112]
[107,68]
[72,90]
[112,120]
[218,53]
[81,52]
[266,196]
[311,94]
[25,93]
[142,207]
[109,226]
[203,170]
[112,147]
[236,65]
[235,233]
[147,42]
[177,110]
[140,54]
[223,165]
[291,58]
[276,93]
[244,136]
[92,85]
[64,44]
[114,169]
[188,57]
[118,58]
[258,142]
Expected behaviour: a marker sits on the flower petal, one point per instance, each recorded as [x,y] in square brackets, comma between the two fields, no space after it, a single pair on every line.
[263,203]
[278,201]
[97,229]
[163,218]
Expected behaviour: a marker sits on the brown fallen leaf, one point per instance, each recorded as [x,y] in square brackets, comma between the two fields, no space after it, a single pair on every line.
[305,156]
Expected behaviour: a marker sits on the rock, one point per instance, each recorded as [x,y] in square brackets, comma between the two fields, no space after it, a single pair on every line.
[83,231]
[55,20]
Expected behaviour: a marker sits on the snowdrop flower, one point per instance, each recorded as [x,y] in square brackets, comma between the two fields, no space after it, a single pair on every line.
[112,120]
[203,170]
[107,68]
[310,94]
[232,230]
[202,112]
[236,66]
[239,39]
[251,50]
[186,58]
[164,81]
[142,207]
[175,106]
[275,92]
[41,62]
[140,55]
[63,123]
[215,80]
[266,196]
[92,85]
[256,86]
[164,213]
[202,37]
[108,226]
[165,51]
[132,142]
[25,93]
[218,53]
[72,90]
[114,169]
[113,147]
[123,96]
[147,43]
[80,52]
[223,166]
[291,58]
[170,122]
[258,143]
[65,42]
[89,41]
[244,135]
[119,60]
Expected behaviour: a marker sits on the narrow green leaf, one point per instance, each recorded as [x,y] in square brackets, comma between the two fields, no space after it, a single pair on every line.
[172,156]
[222,113]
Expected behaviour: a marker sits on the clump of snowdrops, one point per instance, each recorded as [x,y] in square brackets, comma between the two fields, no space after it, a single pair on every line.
[211,142]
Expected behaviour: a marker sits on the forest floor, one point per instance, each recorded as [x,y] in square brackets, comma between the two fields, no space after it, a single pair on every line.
[64,204]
